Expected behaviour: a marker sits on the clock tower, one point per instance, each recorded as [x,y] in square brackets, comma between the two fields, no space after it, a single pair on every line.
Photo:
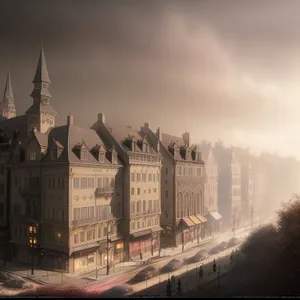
[41,114]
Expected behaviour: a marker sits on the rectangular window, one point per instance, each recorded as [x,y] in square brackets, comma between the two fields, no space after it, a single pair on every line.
[138,191]
[150,177]
[132,191]
[99,232]
[81,236]
[150,208]
[76,238]
[32,155]
[76,214]
[144,205]
[84,214]
[100,183]
[154,177]
[166,194]
[132,176]
[92,212]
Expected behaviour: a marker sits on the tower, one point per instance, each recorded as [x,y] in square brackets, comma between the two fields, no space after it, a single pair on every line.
[8,109]
[41,114]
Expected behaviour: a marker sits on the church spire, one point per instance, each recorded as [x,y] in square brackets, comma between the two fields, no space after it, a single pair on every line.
[8,92]
[8,109]
[41,79]
[41,74]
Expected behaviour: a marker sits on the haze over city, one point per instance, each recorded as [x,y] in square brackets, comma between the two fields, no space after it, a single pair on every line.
[219,69]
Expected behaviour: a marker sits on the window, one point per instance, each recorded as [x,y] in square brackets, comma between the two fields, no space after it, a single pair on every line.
[166,194]
[144,205]
[167,171]
[149,177]
[76,183]
[101,157]
[84,214]
[149,191]
[138,206]
[76,214]
[138,191]
[132,191]
[138,177]
[150,206]
[76,238]
[105,231]
[154,177]
[132,176]
[90,235]
[99,232]
[83,155]
[81,236]
[32,155]
[100,183]
[156,221]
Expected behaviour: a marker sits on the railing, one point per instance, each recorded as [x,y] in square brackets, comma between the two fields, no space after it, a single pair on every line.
[103,191]
[78,223]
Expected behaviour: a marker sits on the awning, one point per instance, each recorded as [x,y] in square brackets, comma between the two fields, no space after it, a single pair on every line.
[141,233]
[86,247]
[201,218]
[195,220]
[188,222]
[216,215]
[156,229]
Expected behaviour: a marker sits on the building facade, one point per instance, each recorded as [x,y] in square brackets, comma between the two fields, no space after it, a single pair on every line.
[211,209]
[142,195]
[229,187]
[182,188]
[63,182]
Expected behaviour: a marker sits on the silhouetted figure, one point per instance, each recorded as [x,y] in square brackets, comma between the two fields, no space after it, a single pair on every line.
[152,250]
[214,266]
[201,272]
[179,291]
[141,256]
[169,288]
[173,281]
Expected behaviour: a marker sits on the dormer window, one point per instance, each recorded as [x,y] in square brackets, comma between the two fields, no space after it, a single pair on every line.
[101,156]
[83,154]
[33,155]
[188,154]
[114,159]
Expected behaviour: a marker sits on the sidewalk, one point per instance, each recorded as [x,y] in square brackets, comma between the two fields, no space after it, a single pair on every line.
[54,278]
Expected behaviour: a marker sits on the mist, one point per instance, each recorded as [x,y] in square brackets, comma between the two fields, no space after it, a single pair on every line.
[226,71]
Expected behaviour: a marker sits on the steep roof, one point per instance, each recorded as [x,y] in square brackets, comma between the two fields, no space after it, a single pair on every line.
[167,139]
[8,95]
[122,133]
[41,73]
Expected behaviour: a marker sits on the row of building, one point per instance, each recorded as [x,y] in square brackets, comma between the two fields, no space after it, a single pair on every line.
[107,194]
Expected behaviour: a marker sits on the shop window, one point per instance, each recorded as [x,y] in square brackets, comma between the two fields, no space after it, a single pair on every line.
[91,259]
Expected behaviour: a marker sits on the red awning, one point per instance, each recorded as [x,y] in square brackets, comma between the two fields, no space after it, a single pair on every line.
[188,222]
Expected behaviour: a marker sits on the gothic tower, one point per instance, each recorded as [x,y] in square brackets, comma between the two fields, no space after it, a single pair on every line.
[8,109]
[41,114]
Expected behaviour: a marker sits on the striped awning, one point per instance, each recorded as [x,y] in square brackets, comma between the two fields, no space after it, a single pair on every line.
[195,220]
[188,222]
[201,218]
[215,215]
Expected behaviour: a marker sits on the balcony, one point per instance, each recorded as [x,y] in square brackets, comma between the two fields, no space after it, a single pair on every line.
[79,223]
[29,191]
[104,191]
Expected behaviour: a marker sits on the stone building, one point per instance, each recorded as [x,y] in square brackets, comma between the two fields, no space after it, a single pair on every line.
[142,196]
[229,187]
[182,188]
[62,180]
[211,209]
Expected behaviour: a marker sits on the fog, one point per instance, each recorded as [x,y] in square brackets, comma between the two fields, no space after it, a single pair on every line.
[221,70]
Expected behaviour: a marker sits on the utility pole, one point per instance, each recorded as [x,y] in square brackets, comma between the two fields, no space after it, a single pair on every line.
[108,242]
[233,224]
[182,235]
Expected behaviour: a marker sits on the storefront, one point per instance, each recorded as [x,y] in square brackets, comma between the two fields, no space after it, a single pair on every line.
[185,231]
[118,249]
[197,228]
[85,258]
[141,242]
[213,224]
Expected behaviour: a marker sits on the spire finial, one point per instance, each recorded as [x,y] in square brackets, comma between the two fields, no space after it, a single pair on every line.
[41,42]
[8,67]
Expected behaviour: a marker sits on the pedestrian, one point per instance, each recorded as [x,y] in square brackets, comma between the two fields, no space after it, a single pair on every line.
[169,288]
[201,272]
[214,266]
[141,255]
[179,287]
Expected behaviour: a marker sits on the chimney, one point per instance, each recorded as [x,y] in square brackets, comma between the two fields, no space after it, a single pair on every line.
[158,133]
[70,120]
[146,125]
[187,138]
[101,118]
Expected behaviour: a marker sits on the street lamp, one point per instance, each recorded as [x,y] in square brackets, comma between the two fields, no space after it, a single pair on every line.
[182,235]
[32,243]
[108,246]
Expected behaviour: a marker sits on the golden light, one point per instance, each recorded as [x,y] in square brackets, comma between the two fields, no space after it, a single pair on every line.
[59,235]
[30,229]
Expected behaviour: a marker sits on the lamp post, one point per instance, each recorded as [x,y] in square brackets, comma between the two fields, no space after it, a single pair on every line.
[108,246]
[182,235]
[32,243]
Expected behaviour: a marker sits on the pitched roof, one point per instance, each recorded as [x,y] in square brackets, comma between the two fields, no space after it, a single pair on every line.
[42,138]
[41,73]
[127,132]
[8,95]
[167,140]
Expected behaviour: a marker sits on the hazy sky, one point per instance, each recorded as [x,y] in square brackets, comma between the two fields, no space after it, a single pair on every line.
[219,69]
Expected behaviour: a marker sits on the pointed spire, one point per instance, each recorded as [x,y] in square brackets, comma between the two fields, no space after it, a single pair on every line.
[8,92]
[41,74]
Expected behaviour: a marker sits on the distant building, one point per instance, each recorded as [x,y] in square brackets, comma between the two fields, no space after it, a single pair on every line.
[229,187]
[182,188]
[211,210]
[63,181]
[142,175]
